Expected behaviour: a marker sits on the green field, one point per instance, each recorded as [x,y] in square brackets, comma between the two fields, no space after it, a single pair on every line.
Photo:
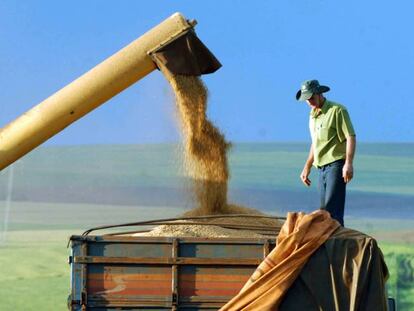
[400,262]
[58,191]
[34,274]
[34,269]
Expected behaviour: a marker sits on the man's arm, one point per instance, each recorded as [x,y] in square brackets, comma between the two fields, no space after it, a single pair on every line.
[348,169]
[307,168]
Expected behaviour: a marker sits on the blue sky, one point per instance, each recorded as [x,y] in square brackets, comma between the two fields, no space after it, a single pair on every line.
[362,49]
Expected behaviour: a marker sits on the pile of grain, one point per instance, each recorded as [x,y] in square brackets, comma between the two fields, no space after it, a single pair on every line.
[210,231]
[231,209]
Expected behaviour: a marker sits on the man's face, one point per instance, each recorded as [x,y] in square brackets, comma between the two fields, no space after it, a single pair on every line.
[315,101]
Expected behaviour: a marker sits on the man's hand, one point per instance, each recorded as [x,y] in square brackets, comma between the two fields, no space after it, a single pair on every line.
[347,172]
[304,176]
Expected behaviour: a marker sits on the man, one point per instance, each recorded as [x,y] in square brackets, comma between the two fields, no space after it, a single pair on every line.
[332,149]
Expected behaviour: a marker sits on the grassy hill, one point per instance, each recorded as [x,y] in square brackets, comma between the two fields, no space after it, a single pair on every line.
[380,168]
[263,176]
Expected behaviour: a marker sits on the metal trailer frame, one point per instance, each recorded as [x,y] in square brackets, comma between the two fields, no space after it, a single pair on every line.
[118,272]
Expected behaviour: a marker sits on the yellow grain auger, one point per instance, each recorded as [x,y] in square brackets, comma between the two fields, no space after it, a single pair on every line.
[172,43]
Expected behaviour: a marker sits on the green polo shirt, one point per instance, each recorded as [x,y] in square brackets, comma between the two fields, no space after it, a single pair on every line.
[329,128]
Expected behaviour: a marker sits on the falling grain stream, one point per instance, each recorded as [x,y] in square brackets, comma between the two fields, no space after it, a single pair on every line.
[205,161]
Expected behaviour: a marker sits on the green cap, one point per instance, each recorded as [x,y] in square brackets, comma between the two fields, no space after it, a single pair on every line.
[310,87]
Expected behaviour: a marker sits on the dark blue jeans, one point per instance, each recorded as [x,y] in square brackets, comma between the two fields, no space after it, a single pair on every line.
[332,189]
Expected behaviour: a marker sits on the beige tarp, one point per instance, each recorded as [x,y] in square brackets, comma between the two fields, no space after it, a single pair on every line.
[316,265]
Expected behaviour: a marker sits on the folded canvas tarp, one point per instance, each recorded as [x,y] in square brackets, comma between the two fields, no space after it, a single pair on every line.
[317,265]
[347,272]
